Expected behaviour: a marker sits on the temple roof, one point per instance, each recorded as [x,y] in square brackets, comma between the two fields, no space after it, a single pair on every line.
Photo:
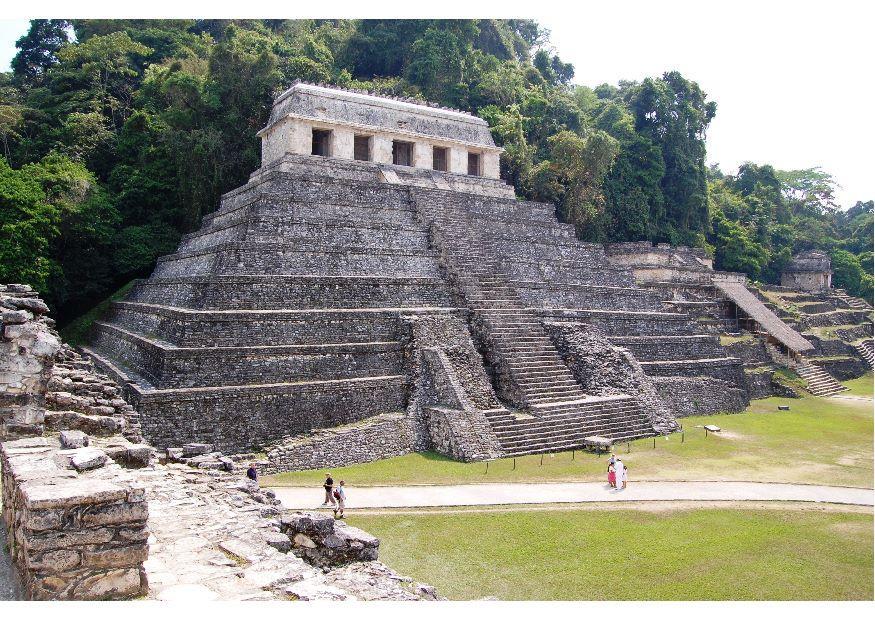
[810,261]
[391,114]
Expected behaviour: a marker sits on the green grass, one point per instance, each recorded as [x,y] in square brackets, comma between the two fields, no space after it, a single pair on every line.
[76,331]
[691,554]
[860,387]
[819,441]
[728,340]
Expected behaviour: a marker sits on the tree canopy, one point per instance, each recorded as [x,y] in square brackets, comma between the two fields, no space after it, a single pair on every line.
[119,135]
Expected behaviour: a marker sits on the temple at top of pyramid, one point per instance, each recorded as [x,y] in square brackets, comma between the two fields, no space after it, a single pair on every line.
[376,288]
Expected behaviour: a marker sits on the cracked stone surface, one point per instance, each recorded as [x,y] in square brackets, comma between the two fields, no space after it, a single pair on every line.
[210,539]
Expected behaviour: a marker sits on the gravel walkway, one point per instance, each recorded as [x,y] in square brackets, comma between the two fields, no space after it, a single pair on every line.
[573,492]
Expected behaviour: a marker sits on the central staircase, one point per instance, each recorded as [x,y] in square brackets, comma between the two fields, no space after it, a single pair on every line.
[555,412]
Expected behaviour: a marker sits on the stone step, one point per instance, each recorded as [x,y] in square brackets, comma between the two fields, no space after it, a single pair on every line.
[255,258]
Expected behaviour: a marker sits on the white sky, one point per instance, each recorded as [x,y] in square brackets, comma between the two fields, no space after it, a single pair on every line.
[793,81]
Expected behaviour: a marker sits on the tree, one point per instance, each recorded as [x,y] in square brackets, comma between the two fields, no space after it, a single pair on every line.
[38,50]
[850,275]
[674,114]
[579,165]
[28,225]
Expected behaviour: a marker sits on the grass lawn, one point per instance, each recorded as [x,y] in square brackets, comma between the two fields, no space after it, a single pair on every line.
[819,441]
[688,554]
[860,387]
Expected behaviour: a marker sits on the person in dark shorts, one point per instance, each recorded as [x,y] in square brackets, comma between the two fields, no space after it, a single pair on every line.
[328,486]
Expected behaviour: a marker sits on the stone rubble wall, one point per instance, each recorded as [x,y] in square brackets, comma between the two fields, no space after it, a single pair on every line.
[323,541]
[450,389]
[83,398]
[75,536]
[688,396]
[380,437]
[27,349]
[605,370]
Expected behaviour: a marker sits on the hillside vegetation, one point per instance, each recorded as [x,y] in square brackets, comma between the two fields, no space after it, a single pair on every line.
[119,135]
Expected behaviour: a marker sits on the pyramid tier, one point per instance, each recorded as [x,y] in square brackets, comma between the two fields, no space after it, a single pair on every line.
[307,292]
[240,328]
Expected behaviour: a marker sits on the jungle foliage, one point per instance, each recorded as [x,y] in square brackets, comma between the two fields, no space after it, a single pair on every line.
[119,135]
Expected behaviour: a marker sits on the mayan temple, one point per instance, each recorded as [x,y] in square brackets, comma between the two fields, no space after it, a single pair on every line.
[377,277]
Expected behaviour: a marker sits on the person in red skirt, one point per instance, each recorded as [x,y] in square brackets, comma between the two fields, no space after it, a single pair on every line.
[612,476]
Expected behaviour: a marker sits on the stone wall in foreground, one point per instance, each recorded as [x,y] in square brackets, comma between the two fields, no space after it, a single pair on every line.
[72,535]
[27,349]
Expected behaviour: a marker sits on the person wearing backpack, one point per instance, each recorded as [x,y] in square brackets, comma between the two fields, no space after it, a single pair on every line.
[340,496]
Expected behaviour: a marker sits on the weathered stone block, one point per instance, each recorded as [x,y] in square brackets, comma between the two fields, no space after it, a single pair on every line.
[88,458]
[119,557]
[195,449]
[114,514]
[71,439]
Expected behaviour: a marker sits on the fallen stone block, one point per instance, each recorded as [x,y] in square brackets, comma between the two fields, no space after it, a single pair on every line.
[33,304]
[71,440]
[307,523]
[196,449]
[88,458]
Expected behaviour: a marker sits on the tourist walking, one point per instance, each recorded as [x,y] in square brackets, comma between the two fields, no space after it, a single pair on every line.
[612,476]
[328,486]
[623,477]
[252,473]
[340,496]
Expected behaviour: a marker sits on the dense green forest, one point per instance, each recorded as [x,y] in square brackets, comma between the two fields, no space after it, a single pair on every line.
[118,136]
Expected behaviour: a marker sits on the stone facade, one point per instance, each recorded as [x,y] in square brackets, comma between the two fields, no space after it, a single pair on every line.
[809,271]
[383,125]
[73,534]
[662,262]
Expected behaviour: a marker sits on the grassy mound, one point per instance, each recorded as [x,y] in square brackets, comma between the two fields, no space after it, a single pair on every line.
[76,331]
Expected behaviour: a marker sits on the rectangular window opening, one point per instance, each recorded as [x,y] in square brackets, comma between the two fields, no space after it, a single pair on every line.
[474,164]
[402,153]
[322,142]
[439,159]
[362,148]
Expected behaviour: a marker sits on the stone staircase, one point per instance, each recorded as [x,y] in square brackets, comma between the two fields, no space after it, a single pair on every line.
[819,382]
[564,427]
[864,348]
[531,374]
[853,302]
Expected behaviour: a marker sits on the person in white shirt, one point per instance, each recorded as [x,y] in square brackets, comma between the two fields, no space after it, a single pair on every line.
[340,496]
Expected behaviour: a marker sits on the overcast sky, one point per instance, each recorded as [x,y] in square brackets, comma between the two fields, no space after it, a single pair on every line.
[793,81]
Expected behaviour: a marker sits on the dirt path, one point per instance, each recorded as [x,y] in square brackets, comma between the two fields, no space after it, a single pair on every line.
[422,496]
